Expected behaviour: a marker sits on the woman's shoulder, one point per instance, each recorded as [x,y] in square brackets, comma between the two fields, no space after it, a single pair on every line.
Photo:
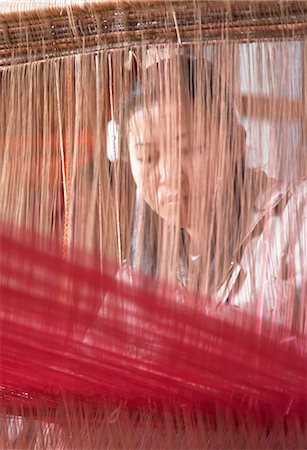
[282,195]
[299,190]
[273,263]
[296,201]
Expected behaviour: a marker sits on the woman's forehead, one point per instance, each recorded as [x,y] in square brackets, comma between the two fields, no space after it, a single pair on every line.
[154,124]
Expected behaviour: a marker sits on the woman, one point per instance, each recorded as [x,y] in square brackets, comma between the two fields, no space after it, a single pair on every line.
[225,229]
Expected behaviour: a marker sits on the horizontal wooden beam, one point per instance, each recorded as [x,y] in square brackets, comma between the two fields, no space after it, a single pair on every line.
[41,34]
[271,108]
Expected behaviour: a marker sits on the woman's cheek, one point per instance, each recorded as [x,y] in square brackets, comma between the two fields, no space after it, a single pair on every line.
[150,188]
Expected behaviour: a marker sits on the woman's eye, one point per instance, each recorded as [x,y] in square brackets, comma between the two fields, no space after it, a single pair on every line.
[148,159]
[188,151]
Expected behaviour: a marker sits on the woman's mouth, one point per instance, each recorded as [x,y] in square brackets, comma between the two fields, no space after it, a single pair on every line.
[171,199]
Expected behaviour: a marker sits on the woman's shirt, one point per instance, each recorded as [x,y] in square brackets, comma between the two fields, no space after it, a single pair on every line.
[270,278]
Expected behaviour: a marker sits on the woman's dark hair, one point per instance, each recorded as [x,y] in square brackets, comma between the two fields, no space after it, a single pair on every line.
[156,78]
[151,84]
[145,91]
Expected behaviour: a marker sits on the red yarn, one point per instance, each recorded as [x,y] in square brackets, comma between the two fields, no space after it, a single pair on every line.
[68,329]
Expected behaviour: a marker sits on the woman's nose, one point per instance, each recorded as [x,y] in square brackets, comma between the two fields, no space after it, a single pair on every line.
[167,171]
[170,172]
[163,171]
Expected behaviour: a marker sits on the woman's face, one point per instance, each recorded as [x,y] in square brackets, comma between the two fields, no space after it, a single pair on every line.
[168,161]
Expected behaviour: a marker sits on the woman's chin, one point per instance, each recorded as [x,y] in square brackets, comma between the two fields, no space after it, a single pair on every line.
[170,215]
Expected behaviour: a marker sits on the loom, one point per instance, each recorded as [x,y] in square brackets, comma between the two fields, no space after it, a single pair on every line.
[94,352]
